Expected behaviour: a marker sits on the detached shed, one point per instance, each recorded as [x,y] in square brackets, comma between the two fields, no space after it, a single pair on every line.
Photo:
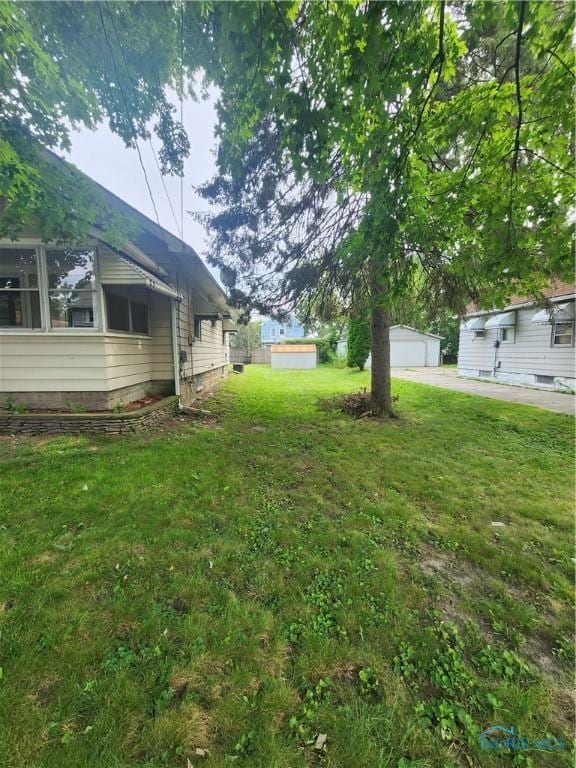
[293,355]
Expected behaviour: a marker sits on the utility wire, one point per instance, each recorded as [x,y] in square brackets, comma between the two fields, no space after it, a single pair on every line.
[124,99]
[178,227]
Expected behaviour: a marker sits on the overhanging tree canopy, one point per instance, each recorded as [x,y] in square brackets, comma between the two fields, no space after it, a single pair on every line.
[372,142]
[364,146]
[66,64]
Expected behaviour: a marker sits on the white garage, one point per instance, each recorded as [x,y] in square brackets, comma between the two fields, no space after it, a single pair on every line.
[410,348]
[293,356]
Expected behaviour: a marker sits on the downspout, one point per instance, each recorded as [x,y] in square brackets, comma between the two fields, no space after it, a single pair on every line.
[175,350]
[496,347]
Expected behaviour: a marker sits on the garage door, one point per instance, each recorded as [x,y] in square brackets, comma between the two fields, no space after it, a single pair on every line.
[407,353]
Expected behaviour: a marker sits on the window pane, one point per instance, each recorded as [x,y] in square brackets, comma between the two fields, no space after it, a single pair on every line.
[139,317]
[20,309]
[72,309]
[69,269]
[18,268]
[117,312]
[19,306]
[563,333]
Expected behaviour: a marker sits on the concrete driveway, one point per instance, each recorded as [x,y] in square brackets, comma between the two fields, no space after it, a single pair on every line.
[448,379]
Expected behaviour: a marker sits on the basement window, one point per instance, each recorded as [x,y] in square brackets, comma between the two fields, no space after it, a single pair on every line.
[485,374]
[544,379]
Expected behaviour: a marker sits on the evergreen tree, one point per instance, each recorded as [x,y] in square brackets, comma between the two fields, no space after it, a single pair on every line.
[358,342]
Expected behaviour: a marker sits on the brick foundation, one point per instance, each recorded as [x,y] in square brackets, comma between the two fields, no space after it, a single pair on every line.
[57,420]
[196,386]
[91,423]
[92,401]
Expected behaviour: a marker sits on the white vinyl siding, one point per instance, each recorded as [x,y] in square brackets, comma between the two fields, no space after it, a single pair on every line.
[92,360]
[88,362]
[293,360]
[115,271]
[210,352]
[531,354]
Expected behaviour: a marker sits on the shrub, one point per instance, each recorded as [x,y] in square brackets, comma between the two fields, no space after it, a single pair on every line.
[358,342]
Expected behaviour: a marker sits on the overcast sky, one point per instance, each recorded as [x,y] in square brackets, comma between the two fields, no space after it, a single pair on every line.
[103,156]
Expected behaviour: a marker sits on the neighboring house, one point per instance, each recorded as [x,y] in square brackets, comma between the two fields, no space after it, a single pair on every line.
[99,325]
[524,343]
[275,332]
[408,348]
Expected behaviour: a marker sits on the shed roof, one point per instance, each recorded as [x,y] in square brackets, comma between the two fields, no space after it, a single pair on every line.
[293,348]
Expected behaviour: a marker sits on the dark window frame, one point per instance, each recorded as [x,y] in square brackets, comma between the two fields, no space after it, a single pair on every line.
[553,341]
[510,332]
[130,301]
[27,296]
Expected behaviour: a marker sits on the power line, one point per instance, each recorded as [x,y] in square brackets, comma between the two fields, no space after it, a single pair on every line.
[178,227]
[124,99]
[169,199]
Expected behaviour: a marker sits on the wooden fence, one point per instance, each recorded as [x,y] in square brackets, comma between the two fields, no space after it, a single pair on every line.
[260,355]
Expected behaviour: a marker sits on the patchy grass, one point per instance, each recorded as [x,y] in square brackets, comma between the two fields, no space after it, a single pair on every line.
[290,587]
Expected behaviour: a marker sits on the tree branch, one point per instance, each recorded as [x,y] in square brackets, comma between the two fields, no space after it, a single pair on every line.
[519,30]
[561,61]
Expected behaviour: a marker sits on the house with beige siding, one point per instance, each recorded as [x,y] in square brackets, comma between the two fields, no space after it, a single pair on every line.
[99,325]
[527,343]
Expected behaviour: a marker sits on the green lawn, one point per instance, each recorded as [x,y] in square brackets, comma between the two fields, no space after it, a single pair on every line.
[248,586]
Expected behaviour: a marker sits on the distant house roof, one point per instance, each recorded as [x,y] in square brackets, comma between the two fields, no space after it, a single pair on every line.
[556,291]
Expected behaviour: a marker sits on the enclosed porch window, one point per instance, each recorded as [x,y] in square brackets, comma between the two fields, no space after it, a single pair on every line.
[127,309]
[19,291]
[71,288]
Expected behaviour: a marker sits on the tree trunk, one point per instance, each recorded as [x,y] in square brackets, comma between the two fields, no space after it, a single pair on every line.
[381,393]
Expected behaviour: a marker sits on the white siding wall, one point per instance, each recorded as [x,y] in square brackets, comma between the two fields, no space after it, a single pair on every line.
[85,361]
[42,362]
[207,354]
[210,352]
[530,354]
[92,361]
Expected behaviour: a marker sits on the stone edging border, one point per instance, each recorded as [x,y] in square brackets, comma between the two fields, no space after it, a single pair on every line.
[109,423]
